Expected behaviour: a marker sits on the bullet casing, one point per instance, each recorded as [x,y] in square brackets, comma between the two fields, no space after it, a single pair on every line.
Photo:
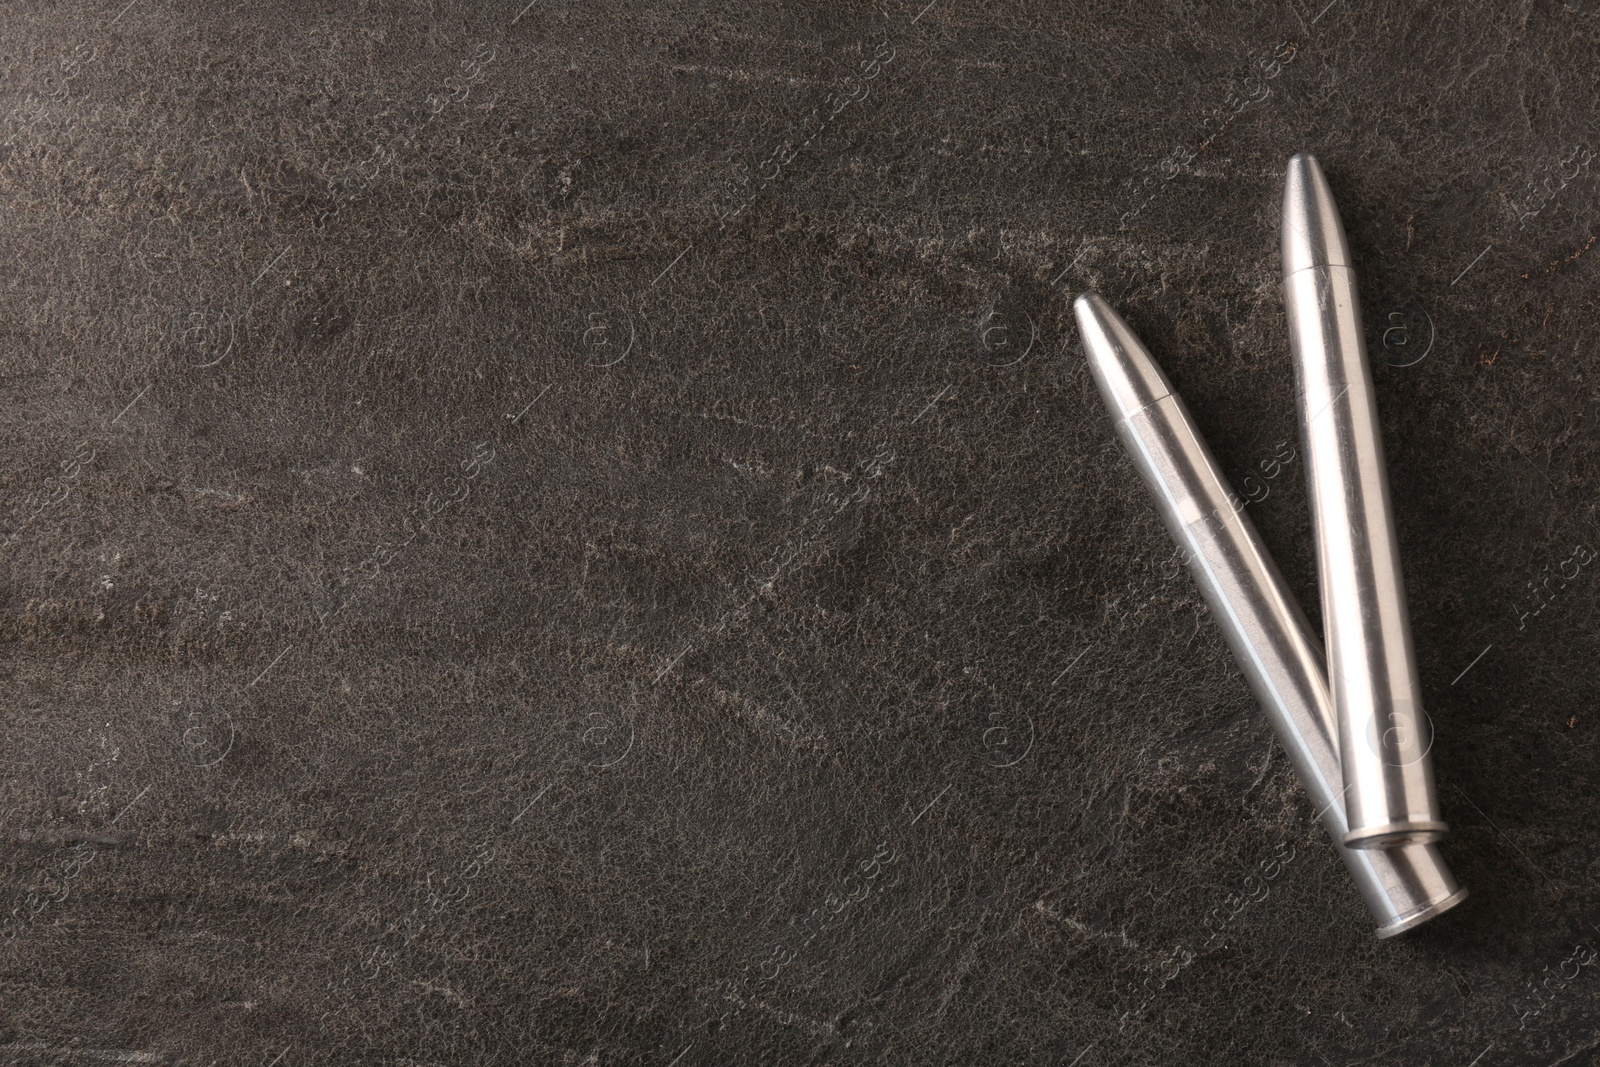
[1261,621]
[1384,735]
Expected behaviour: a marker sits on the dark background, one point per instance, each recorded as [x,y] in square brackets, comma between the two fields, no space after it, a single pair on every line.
[506,562]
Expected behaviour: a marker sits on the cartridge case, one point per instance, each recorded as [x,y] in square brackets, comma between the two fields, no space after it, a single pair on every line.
[1260,620]
[1385,735]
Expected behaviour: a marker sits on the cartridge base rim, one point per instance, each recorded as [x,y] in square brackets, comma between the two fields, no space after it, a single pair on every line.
[1421,915]
[1396,835]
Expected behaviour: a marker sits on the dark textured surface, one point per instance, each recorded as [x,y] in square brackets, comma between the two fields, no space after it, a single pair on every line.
[803,677]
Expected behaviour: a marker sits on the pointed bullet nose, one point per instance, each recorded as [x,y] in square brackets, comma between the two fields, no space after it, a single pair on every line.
[1313,235]
[1128,378]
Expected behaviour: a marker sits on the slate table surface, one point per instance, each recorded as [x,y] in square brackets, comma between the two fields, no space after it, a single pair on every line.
[581,532]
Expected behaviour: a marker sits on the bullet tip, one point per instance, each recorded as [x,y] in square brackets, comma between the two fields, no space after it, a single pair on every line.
[1127,376]
[1313,234]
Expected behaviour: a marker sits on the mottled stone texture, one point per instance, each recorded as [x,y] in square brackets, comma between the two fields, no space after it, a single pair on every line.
[582,533]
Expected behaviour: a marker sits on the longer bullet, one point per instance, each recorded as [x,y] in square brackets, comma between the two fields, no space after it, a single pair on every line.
[1260,619]
[1384,734]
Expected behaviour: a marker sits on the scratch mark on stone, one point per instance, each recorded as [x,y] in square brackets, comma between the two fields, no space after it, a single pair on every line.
[674,263]
[932,402]
[269,266]
[1071,665]
[269,666]
[931,803]
[674,663]
[1474,263]
[524,811]
[131,803]
[132,402]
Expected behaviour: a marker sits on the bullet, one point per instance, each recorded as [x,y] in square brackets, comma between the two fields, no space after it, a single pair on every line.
[1260,620]
[1384,734]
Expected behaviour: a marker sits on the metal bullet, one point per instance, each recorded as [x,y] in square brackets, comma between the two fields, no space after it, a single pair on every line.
[1384,734]
[1261,621]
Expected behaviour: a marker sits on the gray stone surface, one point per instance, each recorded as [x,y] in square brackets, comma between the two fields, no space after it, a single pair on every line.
[582,533]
